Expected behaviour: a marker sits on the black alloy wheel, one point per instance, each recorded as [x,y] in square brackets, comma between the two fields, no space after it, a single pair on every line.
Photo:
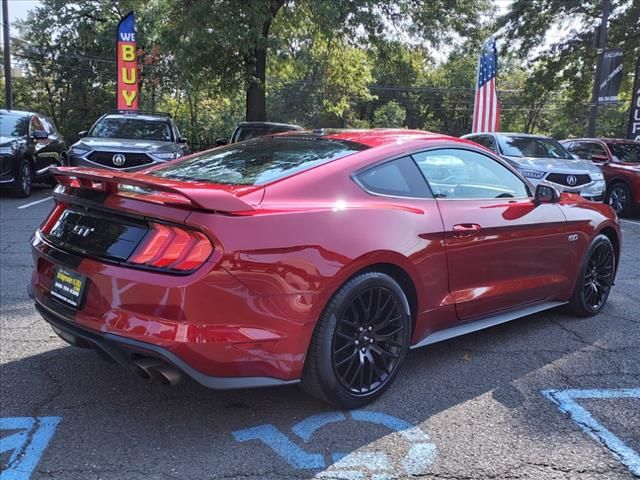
[368,341]
[594,285]
[359,343]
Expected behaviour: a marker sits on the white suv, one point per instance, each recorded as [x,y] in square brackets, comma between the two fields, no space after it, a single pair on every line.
[544,160]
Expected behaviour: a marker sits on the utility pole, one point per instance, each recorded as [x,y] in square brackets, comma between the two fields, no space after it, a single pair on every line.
[8,95]
[601,42]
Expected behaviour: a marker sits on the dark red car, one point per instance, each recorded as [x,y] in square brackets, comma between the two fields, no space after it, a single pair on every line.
[620,162]
[318,258]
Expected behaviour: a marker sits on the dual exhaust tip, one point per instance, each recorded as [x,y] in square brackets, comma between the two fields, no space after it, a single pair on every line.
[156,369]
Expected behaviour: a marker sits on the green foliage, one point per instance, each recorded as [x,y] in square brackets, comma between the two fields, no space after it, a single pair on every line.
[389,115]
[330,63]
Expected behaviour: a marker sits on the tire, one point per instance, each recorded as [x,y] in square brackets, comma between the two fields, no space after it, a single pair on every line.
[359,343]
[619,198]
[24,180]
[595,278]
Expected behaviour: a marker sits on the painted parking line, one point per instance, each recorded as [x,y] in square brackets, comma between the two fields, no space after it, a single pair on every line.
[419,452]
[566,401]
[31,204]
[26,445]
[630,221]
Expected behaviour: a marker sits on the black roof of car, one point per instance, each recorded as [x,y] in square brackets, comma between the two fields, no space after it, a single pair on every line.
[289,126]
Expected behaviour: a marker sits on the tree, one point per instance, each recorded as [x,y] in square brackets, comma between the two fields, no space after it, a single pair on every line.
[389,115]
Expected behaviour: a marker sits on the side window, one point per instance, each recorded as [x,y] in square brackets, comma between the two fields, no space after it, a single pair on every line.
[464,174]
[598,152]
[35,125]
[581,149]
[399,178]
[46,125]
[485,141]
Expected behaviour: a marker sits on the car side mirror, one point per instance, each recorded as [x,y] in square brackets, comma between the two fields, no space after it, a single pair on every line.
[82,134]
[40,135]
[600,158]
[546,194]
[221,141]
[182,140]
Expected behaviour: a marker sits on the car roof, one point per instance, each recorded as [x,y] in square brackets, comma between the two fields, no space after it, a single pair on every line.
[269,124]
[19,112]
[376,137]
[601,139]
[141,116]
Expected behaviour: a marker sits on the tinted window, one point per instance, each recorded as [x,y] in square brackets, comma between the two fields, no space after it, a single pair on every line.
[580,149]
[248,132]
[132,128]
[537,147]
[454,173]
[35,125]
[397,178]
[258,161]
[485,141]
[626,152]
[12,125]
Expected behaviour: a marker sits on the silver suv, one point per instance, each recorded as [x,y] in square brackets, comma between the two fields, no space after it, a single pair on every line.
[544,160]
[129,141]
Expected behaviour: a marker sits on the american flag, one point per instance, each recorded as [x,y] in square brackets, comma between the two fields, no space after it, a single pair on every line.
[486,109]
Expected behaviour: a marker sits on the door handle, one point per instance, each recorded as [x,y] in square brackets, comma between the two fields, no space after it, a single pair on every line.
[465,229]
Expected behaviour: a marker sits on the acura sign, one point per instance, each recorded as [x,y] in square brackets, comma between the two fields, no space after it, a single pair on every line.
[634,115]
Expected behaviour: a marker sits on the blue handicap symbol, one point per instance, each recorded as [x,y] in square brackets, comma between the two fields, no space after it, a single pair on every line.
[420,455]
[27,444]
[567,402]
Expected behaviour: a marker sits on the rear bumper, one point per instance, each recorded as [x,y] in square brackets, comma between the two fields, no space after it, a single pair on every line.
[122,350]
[206,324]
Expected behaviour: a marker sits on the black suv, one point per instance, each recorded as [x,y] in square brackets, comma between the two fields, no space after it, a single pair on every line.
[247,130]
[129,141]
[29,145]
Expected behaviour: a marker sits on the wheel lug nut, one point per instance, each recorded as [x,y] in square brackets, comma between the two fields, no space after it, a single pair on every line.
[357,342]
[371,340]
[363,350]
[360,329]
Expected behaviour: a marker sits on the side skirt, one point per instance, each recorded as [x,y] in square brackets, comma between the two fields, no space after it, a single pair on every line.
[485,322]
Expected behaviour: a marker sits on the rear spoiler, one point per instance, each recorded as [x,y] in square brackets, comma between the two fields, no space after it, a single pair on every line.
[152,189]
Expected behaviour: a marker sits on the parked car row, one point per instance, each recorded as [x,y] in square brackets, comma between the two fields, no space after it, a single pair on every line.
[596,169]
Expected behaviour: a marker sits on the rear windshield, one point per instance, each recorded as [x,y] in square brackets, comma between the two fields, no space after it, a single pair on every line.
[247,132]
[258,161]
[626,152]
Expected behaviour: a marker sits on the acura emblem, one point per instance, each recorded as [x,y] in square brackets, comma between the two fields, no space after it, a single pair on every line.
[571,179]
[118,159]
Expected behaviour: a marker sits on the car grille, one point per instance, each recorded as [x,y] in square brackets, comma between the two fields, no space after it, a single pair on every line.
[132,159]
[561,179]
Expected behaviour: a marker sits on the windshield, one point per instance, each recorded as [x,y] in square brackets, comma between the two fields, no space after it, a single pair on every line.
[626,152]
[13,125]
[536,147]
[132,128]
[258,161]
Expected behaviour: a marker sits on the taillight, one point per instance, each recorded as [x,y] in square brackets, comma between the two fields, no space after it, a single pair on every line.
[172,248]
[53,218]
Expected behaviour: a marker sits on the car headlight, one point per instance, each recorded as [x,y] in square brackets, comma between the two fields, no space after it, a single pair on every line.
[10,149]
[532,173]
[78,151]
[597,176]
[166,155]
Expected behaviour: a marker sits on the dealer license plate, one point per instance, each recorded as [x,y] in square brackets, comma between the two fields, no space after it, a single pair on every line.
[68,287]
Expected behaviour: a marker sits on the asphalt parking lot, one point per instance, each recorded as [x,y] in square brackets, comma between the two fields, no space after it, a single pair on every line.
[548,396]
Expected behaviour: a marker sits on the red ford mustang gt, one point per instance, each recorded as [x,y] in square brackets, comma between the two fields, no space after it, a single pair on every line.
[313,257]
